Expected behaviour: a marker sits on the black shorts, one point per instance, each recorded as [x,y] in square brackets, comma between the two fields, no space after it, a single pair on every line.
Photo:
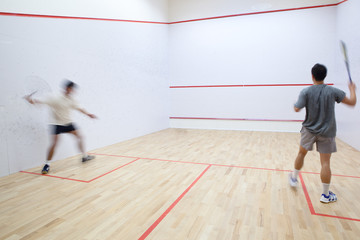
[58,129]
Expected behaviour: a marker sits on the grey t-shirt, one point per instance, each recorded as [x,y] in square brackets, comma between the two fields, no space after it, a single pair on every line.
[319,101]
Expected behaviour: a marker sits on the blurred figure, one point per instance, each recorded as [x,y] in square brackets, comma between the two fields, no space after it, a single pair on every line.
[61,106]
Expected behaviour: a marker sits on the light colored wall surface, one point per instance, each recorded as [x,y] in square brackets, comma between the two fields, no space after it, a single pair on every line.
[180,10]
[121,70]
[348,30]
[265,49]
[140,10]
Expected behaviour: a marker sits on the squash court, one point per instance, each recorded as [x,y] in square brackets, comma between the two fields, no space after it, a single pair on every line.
[193,111]
[184,184]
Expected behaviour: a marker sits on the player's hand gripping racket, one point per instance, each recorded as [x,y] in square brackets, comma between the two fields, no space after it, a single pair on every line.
[35,85]
[344,51]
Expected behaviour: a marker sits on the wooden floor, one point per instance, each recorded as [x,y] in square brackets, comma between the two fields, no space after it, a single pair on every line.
[185,184]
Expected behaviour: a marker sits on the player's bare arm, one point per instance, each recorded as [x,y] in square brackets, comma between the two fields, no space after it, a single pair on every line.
[32,101]
[351,101]
[86,113]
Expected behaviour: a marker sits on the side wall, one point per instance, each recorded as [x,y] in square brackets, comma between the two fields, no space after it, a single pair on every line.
[348,30]
[120,67]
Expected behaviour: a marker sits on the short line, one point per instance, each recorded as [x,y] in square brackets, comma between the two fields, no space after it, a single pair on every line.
[254,168]
[195,163]
[47,175]
[334,175]
[113,170]
[112,155]
[156,223]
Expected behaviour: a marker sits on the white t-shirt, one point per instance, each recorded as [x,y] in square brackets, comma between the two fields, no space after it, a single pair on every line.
[61,106]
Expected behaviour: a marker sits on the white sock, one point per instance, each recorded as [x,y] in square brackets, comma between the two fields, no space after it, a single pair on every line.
[295,174]
[48,162]
[326,189]
[85,155]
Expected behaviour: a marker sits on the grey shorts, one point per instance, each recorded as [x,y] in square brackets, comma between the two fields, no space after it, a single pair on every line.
[323,144]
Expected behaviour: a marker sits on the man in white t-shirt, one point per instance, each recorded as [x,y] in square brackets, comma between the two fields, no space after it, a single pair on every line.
[61,106]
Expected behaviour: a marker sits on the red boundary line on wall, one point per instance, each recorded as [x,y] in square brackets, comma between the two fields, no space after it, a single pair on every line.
[235,119]
[176,22]
[75,18]
[250,85]
[261,12]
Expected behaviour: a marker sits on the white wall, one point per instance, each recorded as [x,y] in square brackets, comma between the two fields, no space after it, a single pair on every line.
[274,48]
[180,10]
[121,68]
[348,30]
[140,10]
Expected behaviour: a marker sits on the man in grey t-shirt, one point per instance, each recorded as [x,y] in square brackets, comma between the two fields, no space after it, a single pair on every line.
[319,126]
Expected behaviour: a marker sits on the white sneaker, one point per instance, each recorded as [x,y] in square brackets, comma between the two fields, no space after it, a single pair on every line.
[329,198]
[292,181]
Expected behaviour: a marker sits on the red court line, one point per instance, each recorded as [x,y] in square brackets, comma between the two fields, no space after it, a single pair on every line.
[176,22]
[156,223]
[215,164]
[53,176]
[84,181]
[254,168]
[76,18]
[113,170]
[306,194]
[311,207]
[196,163]
[250,85]
[164,160]
[339,217]
[236,119]
[261,12]
[335,175]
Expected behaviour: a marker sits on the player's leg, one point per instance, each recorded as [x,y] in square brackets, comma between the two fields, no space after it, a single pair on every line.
[53,142]
[54,139]
[325,173]
[325,176]
[299,161]
[326,146]
[80,142]
[298,164]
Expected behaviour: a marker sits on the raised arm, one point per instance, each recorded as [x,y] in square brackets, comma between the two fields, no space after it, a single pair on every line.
[86,113]
[351,101]
[32,101]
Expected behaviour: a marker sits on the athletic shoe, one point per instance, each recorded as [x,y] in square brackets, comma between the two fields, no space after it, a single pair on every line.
[292,181]
[329,198]
[45,169]
[88,158]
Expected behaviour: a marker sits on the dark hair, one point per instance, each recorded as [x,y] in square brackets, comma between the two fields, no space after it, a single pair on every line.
[319,72]
[69,84]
